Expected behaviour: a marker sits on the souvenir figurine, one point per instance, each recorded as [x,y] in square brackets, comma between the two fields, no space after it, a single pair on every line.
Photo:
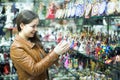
[72,44]
[88,9]
[58,13]
[111,7]
[92,63]
[88,48]
[95,8]
[79,8]
[97,50]
[41,11]
[102,7]
[118,6]
[70,64]
[75,63]
[66,63]
[65,11]
[6,69]
[80,66]
[82,47]
[69,9]
[9,17]
[51,11]
[59,37]
[72,14]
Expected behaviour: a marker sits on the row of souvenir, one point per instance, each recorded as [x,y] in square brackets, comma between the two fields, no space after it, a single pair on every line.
[87,10]
[94,76]
[84,69]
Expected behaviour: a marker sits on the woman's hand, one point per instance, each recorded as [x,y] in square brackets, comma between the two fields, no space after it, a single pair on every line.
[62,47]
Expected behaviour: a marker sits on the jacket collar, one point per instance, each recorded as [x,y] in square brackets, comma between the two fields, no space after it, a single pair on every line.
[24,41]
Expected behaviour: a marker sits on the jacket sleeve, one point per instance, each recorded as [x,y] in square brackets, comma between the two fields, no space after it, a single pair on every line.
[27,63]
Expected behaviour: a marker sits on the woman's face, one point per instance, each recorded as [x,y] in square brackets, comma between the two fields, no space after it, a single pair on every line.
[28,30]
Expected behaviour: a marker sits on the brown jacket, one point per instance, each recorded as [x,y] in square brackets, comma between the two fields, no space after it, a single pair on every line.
[28,60]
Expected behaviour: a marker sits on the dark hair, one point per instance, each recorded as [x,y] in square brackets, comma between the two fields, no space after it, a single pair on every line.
[26,17]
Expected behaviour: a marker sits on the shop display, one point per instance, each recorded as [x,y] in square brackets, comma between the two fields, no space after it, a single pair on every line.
[93,48]
[92,45]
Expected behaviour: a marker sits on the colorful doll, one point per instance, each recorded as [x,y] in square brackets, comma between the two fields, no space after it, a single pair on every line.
[95,8]
[51,11]
[66,63]
[80,66]
[111,7]
[102,7]
[92,63]
[97,50]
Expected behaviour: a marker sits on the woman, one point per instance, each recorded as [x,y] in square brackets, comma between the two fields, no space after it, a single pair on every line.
[29,59]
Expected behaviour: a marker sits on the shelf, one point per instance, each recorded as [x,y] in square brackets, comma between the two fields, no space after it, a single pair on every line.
[9,75]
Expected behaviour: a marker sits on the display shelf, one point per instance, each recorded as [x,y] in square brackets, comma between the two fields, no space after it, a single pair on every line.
[74,73]
[106,72]
[9,77]
[97,60]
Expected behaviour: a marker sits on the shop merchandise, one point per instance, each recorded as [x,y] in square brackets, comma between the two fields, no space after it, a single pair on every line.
[42,11]
[51,11]
[6,66]
[92,45]
[69,9]
[88,8]
[111,7]
[82,47]
[98,51]
[90,56]
[64,10]
[80,65]
[73,10]
[118,6]
[66,63]
[79,9]
[58,13]
[95,8]
[102,7]
[2,19]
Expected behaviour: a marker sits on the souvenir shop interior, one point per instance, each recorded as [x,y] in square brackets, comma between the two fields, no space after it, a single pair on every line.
[91,26]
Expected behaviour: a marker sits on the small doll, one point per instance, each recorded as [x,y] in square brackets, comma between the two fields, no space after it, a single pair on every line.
[92,63]
[97,50]
[51,11]
[59,37]
[66,63]
[80,66]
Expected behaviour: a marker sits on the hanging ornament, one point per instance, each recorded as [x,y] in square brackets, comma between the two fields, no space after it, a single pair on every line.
[73,10]
[111,7]
[102,7]
[79,8]
[118,6]
[95,9]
